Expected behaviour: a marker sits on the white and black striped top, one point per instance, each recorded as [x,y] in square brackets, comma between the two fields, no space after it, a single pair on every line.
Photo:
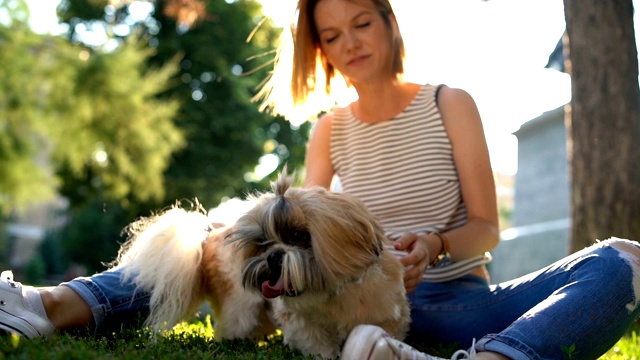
[403,170]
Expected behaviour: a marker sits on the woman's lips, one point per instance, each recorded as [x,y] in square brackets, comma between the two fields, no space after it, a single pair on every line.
[358,60]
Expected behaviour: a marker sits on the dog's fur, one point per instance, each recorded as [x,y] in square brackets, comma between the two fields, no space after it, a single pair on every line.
[307,261]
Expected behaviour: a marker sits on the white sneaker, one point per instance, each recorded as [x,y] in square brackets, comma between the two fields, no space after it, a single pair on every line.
[369,342]
[16,316]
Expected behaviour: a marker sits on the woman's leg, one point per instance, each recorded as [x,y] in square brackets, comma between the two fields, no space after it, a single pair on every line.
[102,301]
[65,308]
[114,303]
[586,301]
[589,300]
[590,313]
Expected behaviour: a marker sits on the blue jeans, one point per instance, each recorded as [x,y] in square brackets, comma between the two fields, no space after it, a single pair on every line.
[114,303]
[589,299]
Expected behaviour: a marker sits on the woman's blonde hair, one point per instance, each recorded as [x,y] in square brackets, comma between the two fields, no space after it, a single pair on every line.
[302,68]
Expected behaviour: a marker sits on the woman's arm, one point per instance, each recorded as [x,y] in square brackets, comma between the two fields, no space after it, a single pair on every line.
[319,170]
[471,156]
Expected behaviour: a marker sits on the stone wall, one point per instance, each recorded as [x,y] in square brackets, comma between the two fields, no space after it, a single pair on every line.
[541,215]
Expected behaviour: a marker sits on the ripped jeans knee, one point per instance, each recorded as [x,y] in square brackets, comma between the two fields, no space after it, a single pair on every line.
[589,299]
[630,252]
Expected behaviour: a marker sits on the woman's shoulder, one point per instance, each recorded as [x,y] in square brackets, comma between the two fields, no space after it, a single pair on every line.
[338,115]
[458,111]
[448,96]
[322,127]
[325,120]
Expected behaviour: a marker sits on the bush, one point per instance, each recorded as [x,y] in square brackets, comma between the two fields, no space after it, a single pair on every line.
[35,270]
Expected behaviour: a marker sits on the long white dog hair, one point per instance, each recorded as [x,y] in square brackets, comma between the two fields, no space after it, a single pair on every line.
[171,245]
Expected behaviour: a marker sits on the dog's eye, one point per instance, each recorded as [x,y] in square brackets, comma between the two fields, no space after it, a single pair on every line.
[263,244]
[300,238]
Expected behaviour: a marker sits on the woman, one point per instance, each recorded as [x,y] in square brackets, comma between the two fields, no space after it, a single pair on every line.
[417,156]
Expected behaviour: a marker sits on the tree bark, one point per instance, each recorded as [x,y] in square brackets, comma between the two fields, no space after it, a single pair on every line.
[603,124]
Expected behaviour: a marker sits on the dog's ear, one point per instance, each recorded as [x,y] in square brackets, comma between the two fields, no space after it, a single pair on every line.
[367,231]
[280,186]
[346,236]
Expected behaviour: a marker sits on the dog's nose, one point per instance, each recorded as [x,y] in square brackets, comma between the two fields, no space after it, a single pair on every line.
[274,260]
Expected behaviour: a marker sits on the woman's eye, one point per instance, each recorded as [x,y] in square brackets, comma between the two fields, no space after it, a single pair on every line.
[363,25]
[329,40]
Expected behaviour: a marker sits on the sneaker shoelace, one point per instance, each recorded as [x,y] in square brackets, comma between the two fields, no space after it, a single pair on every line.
[415,354]
[7,275]
[467,355]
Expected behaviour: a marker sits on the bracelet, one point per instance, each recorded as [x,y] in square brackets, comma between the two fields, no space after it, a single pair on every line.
[444,252]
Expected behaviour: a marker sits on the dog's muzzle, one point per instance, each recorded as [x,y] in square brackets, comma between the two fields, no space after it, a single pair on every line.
[272,284]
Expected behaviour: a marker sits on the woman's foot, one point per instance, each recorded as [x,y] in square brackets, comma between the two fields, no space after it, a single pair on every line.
[21,309]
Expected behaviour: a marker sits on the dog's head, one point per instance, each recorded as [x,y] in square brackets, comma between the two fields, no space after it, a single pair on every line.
[305,240]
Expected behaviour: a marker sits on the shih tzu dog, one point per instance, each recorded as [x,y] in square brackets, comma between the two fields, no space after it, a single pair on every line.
[305,260]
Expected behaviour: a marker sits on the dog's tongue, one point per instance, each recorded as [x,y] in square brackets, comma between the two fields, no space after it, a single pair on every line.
[272,291]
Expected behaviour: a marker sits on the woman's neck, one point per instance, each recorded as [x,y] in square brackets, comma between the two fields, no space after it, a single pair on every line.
[378,103]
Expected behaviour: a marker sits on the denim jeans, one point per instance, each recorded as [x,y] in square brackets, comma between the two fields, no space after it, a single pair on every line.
[115,304]
[588,299]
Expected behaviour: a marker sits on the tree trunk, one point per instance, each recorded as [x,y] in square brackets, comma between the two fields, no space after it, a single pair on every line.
[603,123]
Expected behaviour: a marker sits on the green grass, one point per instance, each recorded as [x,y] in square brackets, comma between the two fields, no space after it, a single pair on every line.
[628,348]
[192,341]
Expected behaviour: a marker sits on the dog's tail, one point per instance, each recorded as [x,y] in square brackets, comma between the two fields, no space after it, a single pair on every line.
[162,257]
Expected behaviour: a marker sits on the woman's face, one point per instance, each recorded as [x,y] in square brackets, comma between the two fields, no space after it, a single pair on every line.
[355,38]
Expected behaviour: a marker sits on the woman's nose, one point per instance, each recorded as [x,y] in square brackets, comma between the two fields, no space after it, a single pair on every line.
[353,42]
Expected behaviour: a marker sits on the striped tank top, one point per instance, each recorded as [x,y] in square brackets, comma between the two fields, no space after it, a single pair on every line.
[403,170]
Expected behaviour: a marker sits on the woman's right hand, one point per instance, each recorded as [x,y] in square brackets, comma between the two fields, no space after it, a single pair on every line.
[416,261]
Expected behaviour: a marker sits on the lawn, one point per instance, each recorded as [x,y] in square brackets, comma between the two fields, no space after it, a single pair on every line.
[192,341]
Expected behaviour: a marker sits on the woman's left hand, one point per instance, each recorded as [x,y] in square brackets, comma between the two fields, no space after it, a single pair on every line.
[416,261]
